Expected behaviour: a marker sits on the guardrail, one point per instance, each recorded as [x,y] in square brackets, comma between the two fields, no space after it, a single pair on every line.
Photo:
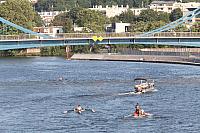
[104,35]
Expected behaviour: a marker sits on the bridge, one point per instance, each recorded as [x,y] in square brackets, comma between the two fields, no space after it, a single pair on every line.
[158,36]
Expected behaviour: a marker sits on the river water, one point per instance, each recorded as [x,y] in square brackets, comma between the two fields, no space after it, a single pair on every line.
[32,99]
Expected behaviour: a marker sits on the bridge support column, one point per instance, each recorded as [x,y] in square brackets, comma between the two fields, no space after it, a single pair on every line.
[68,52]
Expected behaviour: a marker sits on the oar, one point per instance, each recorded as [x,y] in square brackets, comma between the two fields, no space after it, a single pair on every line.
[91,110]
[128,115]
[67,111]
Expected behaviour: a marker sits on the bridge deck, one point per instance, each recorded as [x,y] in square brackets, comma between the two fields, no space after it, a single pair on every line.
[104,35]
[30,41]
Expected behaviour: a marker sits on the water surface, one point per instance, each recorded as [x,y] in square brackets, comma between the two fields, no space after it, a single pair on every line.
[32,99]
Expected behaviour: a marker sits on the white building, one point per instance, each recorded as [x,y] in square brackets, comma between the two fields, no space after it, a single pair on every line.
[116,10]
[33,1]
[81,29]
[168,6]
[118,27]
[2,1]
[52,30]
[47,17]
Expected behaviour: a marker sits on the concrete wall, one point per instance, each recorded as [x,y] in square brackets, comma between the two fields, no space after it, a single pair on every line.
[33,50]
[138,58]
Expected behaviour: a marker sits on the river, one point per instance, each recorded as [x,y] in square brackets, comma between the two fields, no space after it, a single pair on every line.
[32,99]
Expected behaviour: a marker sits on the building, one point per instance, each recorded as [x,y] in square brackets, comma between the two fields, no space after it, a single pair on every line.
[118,27]
[47,17]
[169,6]
[52,30]
[81,29]
[33,1]
[2,1]
[116,10]
[32,50]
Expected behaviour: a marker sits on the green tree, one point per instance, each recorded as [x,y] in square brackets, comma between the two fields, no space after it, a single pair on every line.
[176,14]
[151,15]
[19,12]
[92,20]
[44,5]
[74,14]
[163,16]
[127,17]
[38,20]
[64,20]
[146,26]
[195,27]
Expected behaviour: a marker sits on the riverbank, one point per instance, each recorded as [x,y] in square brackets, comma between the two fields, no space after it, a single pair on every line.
[139,58]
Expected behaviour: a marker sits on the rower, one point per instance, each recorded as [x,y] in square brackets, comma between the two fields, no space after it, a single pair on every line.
[137,110]
[78,109]
[60,79]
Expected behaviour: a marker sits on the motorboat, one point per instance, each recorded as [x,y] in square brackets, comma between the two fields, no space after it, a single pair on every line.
[143,85]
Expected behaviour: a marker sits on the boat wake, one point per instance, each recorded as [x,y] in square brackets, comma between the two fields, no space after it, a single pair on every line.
[155,90]
[135,93]
[127,93]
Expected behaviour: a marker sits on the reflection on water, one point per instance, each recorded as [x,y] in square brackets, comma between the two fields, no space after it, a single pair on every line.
[32,98]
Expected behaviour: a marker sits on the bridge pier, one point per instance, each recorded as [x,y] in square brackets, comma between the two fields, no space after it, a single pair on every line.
[32,50]
[68,52]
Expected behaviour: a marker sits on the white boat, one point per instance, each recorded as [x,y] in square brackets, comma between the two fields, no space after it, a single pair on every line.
[143,85]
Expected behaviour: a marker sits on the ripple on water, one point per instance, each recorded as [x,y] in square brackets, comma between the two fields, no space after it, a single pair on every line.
[32,98]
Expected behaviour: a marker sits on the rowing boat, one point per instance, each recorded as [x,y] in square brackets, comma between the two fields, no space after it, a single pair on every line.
[78,111]
[143,115]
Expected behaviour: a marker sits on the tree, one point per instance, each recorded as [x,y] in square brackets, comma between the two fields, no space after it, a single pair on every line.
[163,16]
[38,20]
[176,14]
[151,15]
[92,20]
[74,14]
[59,5]
[64,20]
[196,27]
[19,12]
[146,26]
[44,5]
[127,17]
[148,15]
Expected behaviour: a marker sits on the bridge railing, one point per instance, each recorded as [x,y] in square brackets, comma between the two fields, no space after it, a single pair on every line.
[127,34]
[17,37]
[104,35]
[90,35]
[176,34]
